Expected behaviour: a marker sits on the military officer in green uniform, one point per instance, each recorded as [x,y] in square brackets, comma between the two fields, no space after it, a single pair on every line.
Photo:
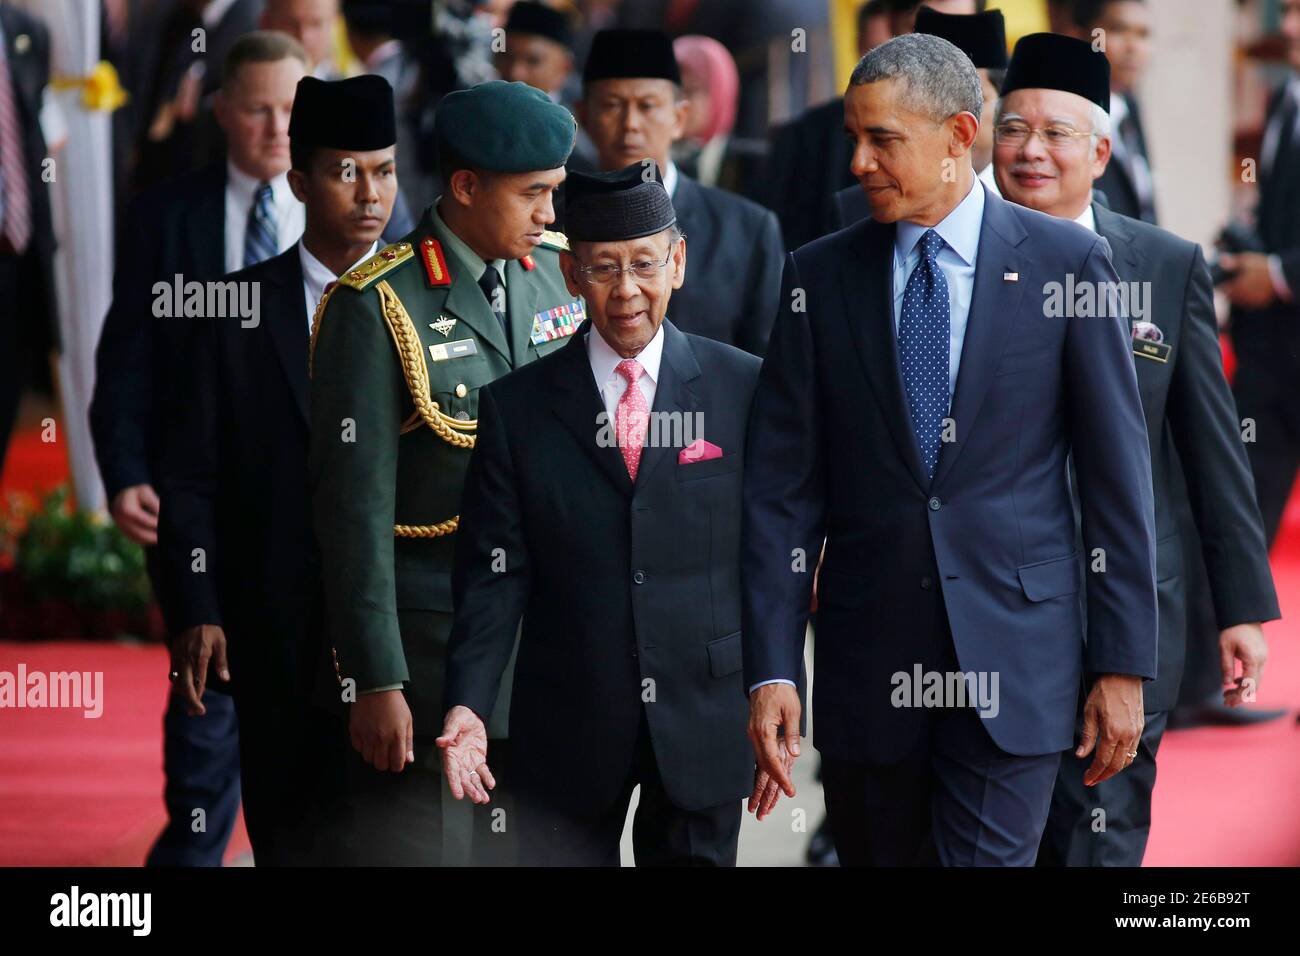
[400,348]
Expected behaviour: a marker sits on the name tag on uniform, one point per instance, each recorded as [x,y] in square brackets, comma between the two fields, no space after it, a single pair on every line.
[1156,351]
[557,323]
[452,350]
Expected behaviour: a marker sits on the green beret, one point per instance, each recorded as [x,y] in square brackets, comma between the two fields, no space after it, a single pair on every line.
[505,127]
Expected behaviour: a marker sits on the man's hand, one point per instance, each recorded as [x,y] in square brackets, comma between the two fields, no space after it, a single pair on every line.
[1245,643]
[135,512]
[1251,287]
[381,730]
[464,755]
[773,707]
[1114,707]
[191,652]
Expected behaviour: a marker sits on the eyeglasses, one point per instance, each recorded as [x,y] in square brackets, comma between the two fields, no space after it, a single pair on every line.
[605,273]
[1054,137]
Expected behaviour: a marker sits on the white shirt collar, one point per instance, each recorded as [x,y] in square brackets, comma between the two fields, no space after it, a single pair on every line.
[245,187]
[670,178]
[316,275]
[960,229]
[604,359]
[1118,109]
[1086,218]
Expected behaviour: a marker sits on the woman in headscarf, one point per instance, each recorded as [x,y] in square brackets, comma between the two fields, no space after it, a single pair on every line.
[711,85]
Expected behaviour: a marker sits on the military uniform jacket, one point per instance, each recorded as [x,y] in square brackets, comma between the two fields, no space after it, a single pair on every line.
[400,348]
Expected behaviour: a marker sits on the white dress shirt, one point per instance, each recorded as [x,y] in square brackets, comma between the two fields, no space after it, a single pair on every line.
[316,276]
[611,385]
[960,231]
[241,189]
[670,179]
[1086,218]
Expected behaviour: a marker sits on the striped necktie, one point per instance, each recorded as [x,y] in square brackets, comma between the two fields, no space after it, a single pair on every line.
[17,224]
[259,238]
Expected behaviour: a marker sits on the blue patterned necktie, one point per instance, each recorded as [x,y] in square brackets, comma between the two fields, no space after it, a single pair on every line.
[923,331]
[259,238]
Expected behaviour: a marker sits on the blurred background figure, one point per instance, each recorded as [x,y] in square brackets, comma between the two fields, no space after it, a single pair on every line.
[313,23]
[711,84]
[1125,27]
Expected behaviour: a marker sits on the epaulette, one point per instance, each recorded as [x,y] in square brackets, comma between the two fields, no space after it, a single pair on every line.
[555,240]
[381,262]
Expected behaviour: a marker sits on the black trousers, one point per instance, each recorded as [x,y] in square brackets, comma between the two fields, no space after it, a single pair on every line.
[663,834]
[1106,824]
[392,819]
[1274,455]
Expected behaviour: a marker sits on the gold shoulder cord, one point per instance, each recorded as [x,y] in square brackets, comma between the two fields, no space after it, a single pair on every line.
[315,327]
[416,373]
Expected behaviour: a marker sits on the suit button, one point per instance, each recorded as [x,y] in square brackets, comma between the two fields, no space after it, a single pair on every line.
[638,577]
[926,583]
[935,504]
[461,390]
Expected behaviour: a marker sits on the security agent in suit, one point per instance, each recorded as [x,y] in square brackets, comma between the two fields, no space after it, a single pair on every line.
[1264,288]
[619,551]
[235,478]
[199,227]
[633,109]
[29,325]
[1189,416]
[402,346]
[944,554]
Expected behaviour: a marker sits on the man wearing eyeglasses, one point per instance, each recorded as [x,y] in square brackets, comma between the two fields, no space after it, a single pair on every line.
[603,507]
[1052,141]
[401,347]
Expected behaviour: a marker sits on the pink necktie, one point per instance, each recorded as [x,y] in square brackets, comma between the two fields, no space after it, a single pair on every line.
[17,226]
[631,417]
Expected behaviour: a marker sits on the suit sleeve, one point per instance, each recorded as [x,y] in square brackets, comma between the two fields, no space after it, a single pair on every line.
[1113,462]
[764,287]
[1203,419]
[122,403]
[490,578]
[357,394]
[784,500]
[188,483]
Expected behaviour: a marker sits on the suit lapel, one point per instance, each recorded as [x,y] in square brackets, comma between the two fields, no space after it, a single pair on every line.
[994,303]
[206,228]
[578,406]
[869,308]
[284,305]
[672,394]
[1126,256]
[467,303]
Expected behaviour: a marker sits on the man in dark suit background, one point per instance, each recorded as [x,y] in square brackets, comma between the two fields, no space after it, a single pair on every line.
[1189,414]
[633,109]
[235,477]
[912,351]
[1126,24]
[28,326]
[199,226]
[602,506]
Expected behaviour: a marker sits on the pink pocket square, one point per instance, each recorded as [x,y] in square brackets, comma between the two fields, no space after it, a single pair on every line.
[698,450]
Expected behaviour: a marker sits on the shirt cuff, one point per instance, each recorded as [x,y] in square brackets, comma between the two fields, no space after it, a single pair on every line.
[774,680]
[1279,279]
[377,690]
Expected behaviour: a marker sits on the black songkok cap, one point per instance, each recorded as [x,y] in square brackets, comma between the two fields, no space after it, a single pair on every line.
[631,54]
[628,203]
[355,113]
[540,20]
[1049,61]
[981,36]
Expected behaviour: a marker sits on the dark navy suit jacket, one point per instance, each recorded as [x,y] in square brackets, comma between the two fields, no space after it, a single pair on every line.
[990,541]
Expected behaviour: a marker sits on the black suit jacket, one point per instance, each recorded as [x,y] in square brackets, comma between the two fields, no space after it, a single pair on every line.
[1267,341]
[1116,182]
[733,266]
[808,163]
[1190,414]
[234,483]
[618,585]
[176,228]
[29,73]
[832,457]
